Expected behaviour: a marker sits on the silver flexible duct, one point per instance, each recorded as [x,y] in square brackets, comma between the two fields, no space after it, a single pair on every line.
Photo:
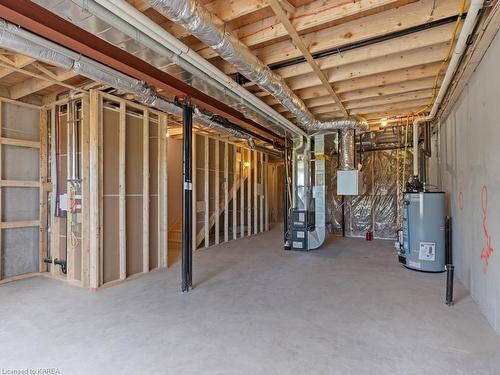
[211,30]
[20,41]
[346,162]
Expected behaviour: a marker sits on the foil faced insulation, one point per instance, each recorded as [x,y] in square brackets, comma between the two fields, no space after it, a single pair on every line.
[377,209]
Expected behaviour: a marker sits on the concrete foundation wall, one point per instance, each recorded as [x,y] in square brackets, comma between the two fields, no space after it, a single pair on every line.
[467,162]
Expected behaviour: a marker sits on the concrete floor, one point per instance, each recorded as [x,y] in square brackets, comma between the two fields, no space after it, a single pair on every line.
[346,309]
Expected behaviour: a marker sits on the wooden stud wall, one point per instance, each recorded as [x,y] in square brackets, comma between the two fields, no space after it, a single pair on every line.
[133,197]
[234,178]
[238,189]
[41,184]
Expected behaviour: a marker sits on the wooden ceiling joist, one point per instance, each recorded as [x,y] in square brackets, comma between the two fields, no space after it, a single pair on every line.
[379,24]
[374,81]
[18,62]
[400,45]
[427,55]
[297,40]
[39,83]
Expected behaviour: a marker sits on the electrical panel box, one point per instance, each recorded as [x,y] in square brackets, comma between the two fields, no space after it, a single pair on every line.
[349,182]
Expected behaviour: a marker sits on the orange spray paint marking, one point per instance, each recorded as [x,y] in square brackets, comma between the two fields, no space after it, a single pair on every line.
[461,201]
[487,251]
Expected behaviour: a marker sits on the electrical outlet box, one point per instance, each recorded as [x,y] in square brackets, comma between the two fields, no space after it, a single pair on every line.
[349,182]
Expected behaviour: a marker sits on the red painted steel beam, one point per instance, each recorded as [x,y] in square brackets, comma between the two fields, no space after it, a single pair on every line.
[41,21]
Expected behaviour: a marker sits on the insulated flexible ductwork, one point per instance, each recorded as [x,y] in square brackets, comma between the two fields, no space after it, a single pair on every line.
[346,162]
[20,41]
[211,30]
[120,24]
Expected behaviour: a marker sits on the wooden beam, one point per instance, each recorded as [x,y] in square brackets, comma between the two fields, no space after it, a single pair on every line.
[261,195]
[122,215]
[418,57]
[85,155]
[381,23]
[289,8]
[243,173]
[390,99]
[195,199]
[19,62]
[207,193]
[255,192]
[163,178]
[400,46]
[145,191]
[378,81]
[55,238]
[39,83]
[19,224]
[20,183]
[249,188]
[266,194]
[391,107]
[70,245]
[217,192]
[236,176]
[45,70]
[376,92]
[19,142]
[226,191]
[299,43]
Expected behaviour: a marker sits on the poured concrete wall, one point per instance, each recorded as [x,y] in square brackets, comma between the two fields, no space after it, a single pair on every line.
[468,169]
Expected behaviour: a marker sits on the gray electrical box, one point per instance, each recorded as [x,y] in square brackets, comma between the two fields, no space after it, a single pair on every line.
[349,182]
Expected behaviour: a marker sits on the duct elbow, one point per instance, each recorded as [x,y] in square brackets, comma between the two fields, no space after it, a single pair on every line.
[358,125]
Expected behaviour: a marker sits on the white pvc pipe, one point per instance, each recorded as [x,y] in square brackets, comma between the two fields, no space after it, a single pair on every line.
[144,24]
[469,23]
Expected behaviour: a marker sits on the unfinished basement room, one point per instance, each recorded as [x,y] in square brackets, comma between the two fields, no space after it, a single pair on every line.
[250,187]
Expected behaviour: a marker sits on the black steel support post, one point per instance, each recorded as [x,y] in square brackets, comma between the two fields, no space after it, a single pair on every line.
[450,268]
[187,197]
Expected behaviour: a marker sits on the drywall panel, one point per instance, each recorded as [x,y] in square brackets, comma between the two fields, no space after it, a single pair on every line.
[467,159]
